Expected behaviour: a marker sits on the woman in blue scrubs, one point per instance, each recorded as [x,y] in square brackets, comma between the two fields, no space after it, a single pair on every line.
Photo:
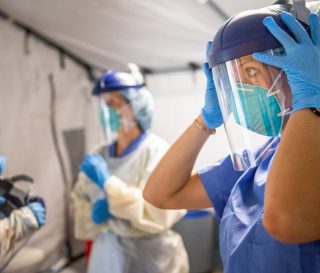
[253,95]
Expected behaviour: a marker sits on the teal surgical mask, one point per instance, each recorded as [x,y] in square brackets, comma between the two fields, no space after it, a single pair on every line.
[261,110]
[110,117]
[104,117]
[110,121]
[115,120]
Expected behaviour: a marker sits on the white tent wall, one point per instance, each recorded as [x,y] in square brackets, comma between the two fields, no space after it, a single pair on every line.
[47,115]
[31,73]
[157,34]
[179,98]
[41,103]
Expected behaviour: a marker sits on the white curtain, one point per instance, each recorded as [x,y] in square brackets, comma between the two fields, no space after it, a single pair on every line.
[47,123]
[179,98]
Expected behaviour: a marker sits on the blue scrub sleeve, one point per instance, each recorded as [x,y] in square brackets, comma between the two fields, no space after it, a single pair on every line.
[218,181]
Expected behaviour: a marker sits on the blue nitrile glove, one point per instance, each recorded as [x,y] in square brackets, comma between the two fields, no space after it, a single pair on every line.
[100,211]
[39,211]
[2,163]
[211,112]
[2,200]
[95,167]
[301,61]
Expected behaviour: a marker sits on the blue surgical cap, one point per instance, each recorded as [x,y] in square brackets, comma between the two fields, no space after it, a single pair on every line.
[142,103]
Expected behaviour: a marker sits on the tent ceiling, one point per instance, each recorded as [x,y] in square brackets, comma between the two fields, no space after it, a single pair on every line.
[156,34]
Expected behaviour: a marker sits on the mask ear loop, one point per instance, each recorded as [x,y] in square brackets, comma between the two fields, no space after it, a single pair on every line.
[285,112]
[270,93]
[127,124]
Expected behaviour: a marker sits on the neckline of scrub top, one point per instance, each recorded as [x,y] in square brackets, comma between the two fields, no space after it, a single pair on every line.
[132,146]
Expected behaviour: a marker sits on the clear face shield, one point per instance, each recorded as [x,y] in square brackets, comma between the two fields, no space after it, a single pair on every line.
[115,115]
[255,101]
[110,121]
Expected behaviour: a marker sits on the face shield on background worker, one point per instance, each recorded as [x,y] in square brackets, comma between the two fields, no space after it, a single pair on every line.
[119,93]
[255,98]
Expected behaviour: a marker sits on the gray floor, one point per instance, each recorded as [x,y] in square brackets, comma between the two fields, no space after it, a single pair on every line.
[80,267]
[76,267]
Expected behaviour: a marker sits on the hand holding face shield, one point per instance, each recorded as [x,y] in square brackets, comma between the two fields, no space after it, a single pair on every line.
[301,61]
[211,112]
[255,98]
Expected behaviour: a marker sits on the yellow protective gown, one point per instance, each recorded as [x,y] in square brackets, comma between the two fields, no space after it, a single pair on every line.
[138,238]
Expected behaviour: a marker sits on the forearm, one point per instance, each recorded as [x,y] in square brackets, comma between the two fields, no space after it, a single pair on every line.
[292,203]
[174,170]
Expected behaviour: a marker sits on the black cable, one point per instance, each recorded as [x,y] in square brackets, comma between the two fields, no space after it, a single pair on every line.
[27,34]
[281,2]
[90,75]
[4,15]
[54,132]
[62,59]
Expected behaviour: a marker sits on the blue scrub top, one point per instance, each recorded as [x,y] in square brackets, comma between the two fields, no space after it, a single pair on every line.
[245,246]
[131,148]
